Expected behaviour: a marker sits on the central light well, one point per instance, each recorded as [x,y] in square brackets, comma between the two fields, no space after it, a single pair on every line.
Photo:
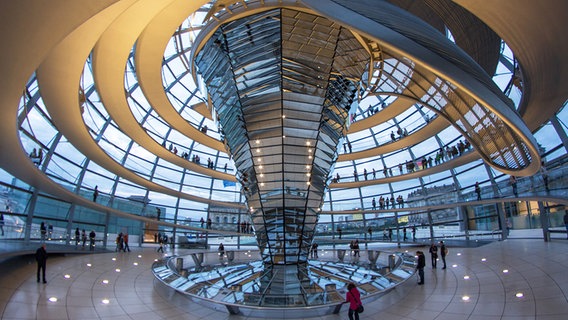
[282,83]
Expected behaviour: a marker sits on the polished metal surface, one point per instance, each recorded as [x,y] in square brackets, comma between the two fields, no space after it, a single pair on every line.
[237,280]
[282,83]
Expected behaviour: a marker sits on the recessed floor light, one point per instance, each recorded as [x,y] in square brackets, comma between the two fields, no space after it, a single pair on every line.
[505,270]
[466,277]
[483,259]
[459,254]
[66,276]
[139,256]
[465,298]
[117,270]
[519,295]
[454,265]
[105,301]
[135,263]
[52,299]
[89,265]
[105,281]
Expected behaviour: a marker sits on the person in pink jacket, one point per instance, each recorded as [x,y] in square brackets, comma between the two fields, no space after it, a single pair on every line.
[354,298]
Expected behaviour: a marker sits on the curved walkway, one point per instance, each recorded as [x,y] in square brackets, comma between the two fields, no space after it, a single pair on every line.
[150,48]
[558,197]
[536,50]
[455,162]
[130,293]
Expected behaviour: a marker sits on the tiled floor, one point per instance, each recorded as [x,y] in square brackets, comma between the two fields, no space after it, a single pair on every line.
[536,269]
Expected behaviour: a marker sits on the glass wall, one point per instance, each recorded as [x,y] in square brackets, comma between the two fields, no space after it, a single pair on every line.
[185,185]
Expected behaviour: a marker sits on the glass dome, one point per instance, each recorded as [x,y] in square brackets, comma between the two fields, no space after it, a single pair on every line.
[143,132]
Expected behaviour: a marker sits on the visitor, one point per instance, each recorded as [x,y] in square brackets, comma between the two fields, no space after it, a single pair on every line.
[314,250]
[42,231]
[433,254]
[443,253]
[41,259]
[77,236]
[544,174]
[566,223]
[478,190]
[2,222]
[221,250]
[513,182]
[353,297]
[421,263]
[125,240]
[95,193]
[92,236]
[119,243]
[84,237]
[160,244]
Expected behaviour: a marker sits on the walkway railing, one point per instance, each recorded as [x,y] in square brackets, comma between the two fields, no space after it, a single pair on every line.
[234,280]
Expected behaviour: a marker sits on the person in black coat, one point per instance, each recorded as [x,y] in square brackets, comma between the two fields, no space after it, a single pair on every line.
[41,258]
[2,222]
[443,253]
[221,250]
[566,223]
[43,231]
[433,254]
[92,236]
[77,236]
[421,263]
